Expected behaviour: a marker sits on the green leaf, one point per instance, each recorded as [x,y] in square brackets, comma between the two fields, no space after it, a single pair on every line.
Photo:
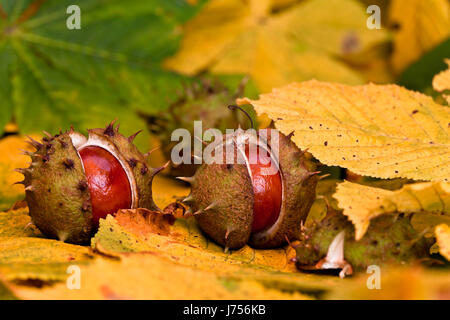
[420,74]
[56,77]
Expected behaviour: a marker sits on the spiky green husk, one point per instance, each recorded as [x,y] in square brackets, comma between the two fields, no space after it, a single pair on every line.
[227,192]
[223,203]
[56,186]
[57,191]
[299,193]
[389,239]
[139,163]
[201,101]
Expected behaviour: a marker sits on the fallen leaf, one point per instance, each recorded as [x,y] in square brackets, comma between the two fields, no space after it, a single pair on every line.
[144,221]
[420,26]
[237,37]
[17,223]
[10,159]
[362,203]
[408,283]
[186,245]
[443,240]
[43,259]
[382,131]
[152,277]
[441,81]
[166,190]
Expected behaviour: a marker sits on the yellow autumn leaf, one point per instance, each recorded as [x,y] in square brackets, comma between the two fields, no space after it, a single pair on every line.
[299,43]
[443,239]
[421,24]
[10,159]
[186,245]
[279,4]
[154,278]
[35,258]
[167,191]
[17,223]
[402,283]
[362,203]
[441,81]
[383,131]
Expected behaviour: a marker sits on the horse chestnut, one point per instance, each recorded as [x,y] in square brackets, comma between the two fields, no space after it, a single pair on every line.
[255,200]
[73,181]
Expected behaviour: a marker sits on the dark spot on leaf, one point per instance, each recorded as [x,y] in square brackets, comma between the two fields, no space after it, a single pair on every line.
[396,26]
[350,43]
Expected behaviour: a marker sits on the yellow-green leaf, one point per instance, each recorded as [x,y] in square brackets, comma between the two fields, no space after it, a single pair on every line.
[362,203]
[17,223]
[301,42]
[186,245]
[167,191]
[408,283]
[383,131]
[421,25]
[35,258]
[152,277]
[10,159]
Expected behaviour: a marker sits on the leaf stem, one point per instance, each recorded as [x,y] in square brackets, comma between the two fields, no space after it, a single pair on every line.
[3,14]
[234,107]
